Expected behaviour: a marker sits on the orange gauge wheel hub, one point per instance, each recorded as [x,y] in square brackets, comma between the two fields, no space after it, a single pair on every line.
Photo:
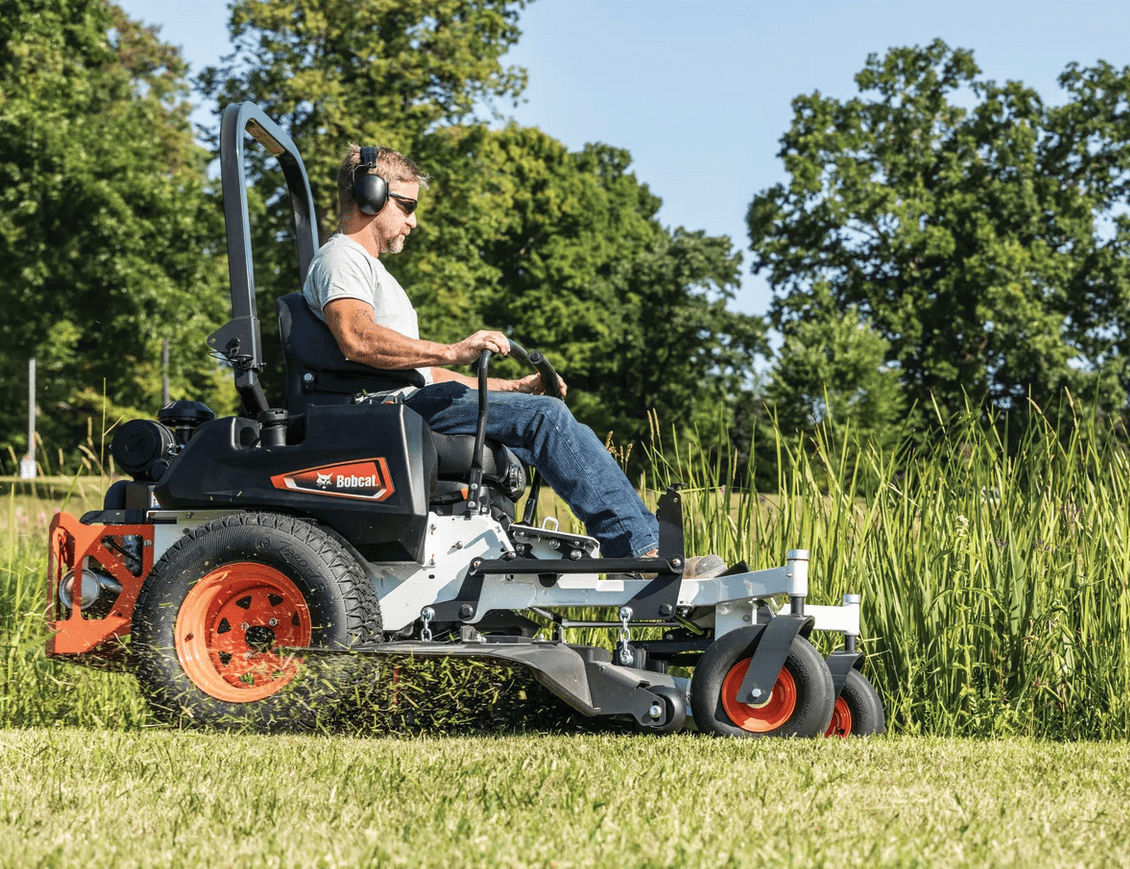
[763,718]
[841,719]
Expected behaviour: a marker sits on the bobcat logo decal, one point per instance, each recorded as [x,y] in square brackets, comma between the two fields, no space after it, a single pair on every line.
[364,480]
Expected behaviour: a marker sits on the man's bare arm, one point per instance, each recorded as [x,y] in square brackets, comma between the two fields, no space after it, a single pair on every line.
[362,339]
[531,384]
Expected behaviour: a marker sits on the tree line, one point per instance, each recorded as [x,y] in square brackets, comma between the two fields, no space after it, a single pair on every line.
[944,240]
[940,238]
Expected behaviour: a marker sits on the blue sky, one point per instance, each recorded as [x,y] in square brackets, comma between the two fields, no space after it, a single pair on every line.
[701,97]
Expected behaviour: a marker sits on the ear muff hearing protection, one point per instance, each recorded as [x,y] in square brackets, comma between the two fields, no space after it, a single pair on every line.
[370,192]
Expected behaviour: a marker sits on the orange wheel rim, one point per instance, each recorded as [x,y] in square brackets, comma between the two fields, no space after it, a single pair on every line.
[766,717]
[841,719]
[230,627]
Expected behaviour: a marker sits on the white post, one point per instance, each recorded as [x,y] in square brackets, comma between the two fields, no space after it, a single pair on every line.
[27,464]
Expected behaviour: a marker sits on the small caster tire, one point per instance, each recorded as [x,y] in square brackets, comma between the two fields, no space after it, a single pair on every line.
[858,710]
[800,703]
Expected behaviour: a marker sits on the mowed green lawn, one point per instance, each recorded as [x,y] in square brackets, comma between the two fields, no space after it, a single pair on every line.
[157,798]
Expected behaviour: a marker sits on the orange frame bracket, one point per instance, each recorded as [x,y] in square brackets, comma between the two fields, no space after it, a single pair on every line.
[76,547]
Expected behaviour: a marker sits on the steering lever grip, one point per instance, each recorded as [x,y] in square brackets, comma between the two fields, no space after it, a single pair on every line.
[549,378]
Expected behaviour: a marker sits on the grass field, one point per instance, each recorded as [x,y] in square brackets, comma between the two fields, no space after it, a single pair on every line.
[94,798]
[996,606]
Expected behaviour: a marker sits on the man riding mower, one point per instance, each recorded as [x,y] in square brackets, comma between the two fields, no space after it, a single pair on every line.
[250,552]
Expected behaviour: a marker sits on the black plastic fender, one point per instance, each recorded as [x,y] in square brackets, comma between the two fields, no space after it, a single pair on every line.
[772,649]
[840,664]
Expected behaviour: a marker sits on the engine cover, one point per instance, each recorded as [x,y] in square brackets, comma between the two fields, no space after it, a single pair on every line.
[364,471]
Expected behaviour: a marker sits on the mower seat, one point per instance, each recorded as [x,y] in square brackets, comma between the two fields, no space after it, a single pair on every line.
[317,373]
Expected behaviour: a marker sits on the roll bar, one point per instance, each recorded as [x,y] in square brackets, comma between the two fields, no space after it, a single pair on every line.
[239,340]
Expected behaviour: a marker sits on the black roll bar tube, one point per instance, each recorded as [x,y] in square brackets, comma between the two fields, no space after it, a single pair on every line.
[239,340]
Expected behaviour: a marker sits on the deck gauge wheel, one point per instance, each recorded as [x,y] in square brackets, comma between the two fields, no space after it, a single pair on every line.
[800,703]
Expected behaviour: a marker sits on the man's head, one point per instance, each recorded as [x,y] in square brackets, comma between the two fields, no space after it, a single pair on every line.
[391,223]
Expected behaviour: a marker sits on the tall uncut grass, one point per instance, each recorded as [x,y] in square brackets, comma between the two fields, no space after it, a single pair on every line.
[36,690]
[994,585]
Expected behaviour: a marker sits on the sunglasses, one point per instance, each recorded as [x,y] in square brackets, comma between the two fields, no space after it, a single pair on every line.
[405,202]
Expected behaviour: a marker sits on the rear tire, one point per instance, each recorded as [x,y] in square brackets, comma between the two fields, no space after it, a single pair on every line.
[858,710]
[220,604]
[800,703]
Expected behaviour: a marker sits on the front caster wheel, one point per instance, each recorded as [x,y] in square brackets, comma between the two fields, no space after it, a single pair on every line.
[800,703]
[858,710]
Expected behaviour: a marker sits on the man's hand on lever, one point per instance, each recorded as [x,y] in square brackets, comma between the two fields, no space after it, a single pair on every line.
[469,349]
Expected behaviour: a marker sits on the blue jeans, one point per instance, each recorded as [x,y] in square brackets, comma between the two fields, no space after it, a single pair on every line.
[542,432]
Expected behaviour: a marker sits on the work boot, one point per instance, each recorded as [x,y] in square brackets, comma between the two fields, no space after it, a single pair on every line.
[704,567]
[697,567]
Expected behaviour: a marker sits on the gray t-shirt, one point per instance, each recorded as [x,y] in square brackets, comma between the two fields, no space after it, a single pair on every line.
[342,269]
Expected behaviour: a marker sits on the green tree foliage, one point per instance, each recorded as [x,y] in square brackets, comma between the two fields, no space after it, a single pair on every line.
[830,385]
[105,230]
[831,370]
[563,250]
[380,71]
[979,231]
[681,351]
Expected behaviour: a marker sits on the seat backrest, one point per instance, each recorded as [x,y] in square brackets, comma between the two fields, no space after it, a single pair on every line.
[317,372]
